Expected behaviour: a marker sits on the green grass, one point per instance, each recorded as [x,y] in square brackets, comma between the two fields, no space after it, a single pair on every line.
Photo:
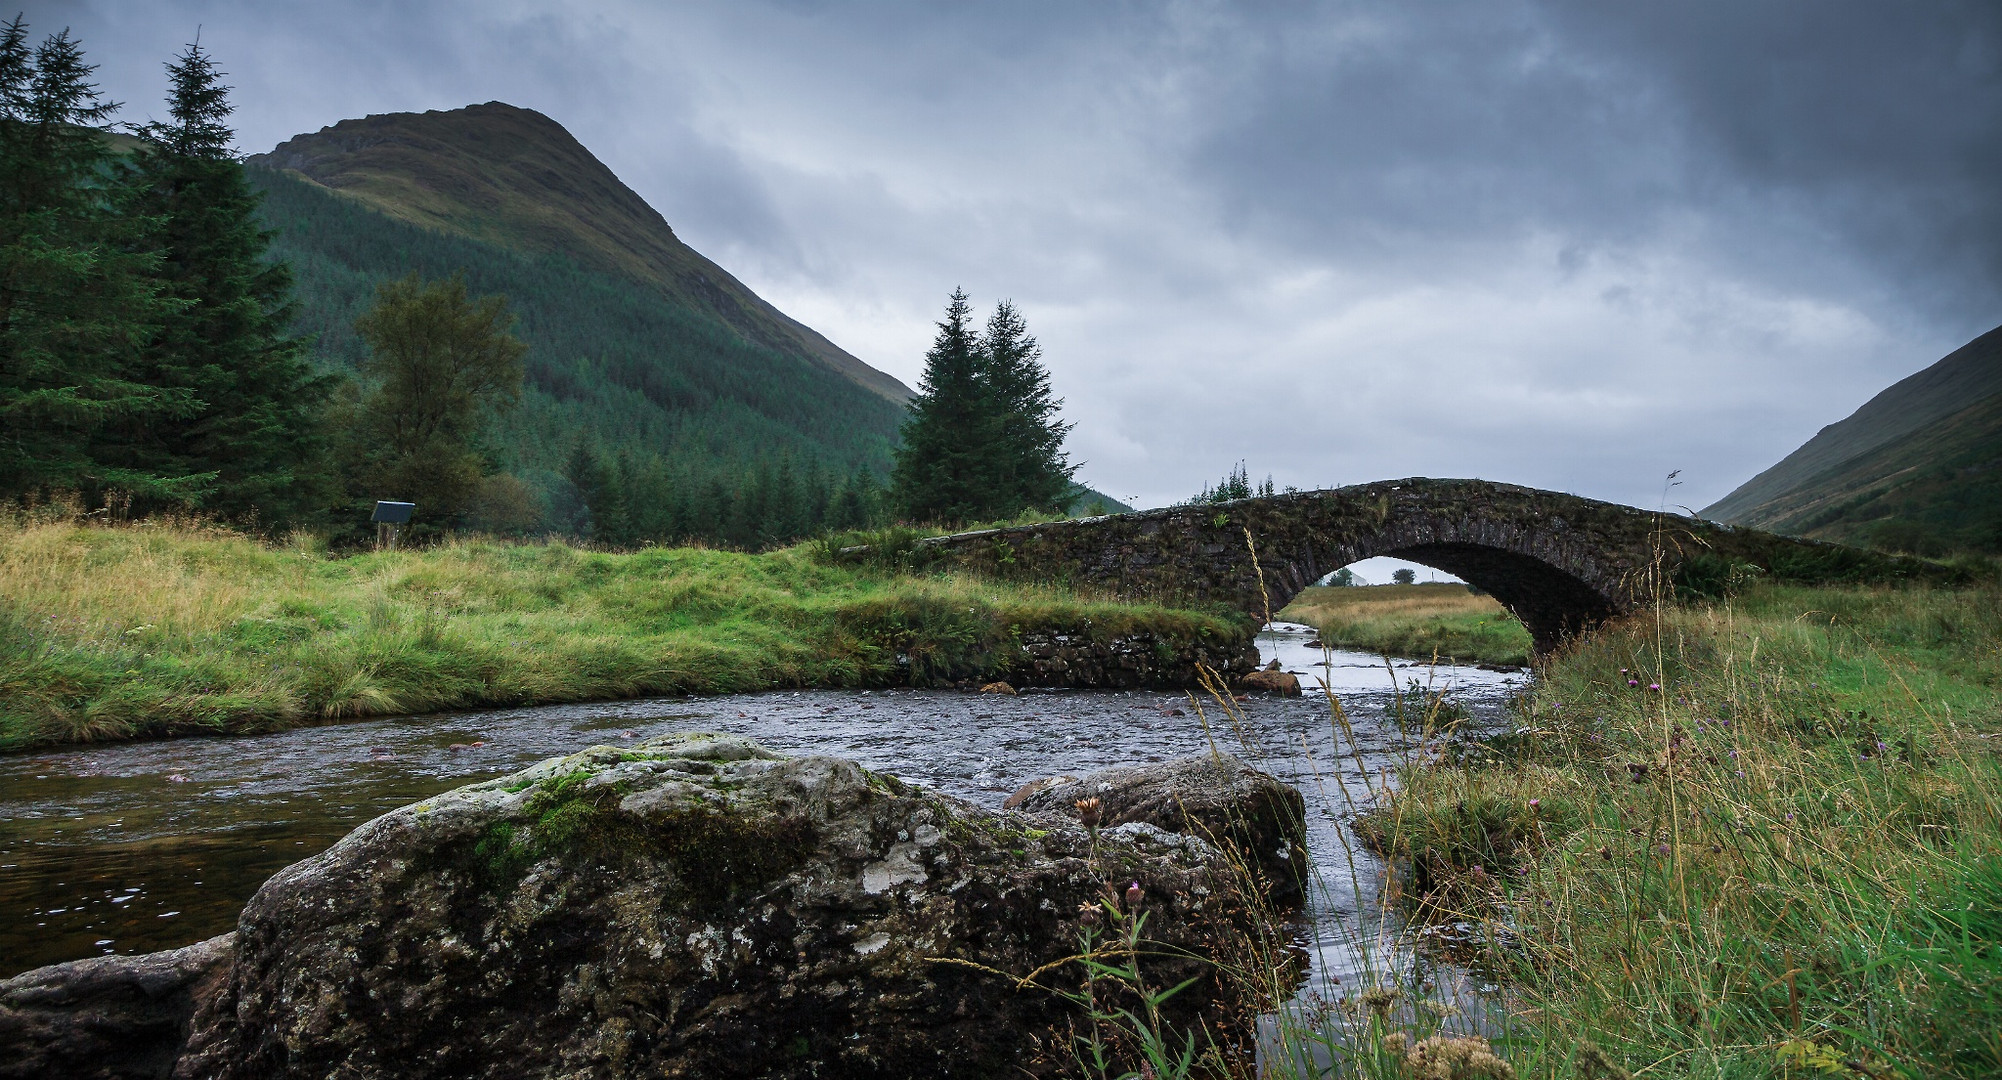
[1414,621]
[1756,838]
[167,629]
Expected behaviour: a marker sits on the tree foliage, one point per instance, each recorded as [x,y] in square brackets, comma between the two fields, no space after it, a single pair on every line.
[440,363]
[80,301]
[1235,485]
[254,426]
[982,441]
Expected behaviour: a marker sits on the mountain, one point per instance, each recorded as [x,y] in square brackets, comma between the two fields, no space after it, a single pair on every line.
[516,179]
[1918,467]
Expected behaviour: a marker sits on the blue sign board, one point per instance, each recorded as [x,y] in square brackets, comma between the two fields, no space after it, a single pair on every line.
[393,513]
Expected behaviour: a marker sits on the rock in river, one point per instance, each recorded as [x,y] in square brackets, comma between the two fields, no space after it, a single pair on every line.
[1283,683]
[696,906]
[1215,796]
[109,1017]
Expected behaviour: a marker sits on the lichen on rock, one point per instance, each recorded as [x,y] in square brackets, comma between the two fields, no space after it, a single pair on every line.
[696,906]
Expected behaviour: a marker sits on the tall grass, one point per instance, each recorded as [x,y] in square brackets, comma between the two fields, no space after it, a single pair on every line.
[1762,838]
[1417,621]
[168,628]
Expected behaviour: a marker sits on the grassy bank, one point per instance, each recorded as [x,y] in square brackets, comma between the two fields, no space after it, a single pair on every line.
[1762,838]
[166,629]
[1414,621]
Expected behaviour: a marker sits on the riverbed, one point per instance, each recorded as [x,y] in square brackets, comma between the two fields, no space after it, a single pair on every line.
[136,847]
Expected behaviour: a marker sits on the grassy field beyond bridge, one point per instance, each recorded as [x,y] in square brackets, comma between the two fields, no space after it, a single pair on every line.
[1417,621]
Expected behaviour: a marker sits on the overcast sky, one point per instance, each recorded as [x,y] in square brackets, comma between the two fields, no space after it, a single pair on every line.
[1575,245]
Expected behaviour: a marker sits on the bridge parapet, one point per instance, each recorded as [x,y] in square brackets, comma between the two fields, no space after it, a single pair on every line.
[1560,562]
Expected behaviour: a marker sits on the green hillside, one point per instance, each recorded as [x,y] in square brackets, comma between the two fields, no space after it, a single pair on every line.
[516,179]
[1917,468]
[611,359]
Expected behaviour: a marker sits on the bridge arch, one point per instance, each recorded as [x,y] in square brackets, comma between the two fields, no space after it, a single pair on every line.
[1560,563]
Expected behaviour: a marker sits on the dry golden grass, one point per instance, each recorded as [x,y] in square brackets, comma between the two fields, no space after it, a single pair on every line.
[1427,601]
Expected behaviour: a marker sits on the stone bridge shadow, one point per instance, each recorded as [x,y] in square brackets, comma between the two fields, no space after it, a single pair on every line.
[1562,564]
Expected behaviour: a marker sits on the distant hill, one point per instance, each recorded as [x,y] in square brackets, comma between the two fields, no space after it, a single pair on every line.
[1917,468]
[516,179]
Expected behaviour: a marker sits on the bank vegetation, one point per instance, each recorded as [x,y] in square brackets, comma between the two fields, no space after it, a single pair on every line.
[176,627]
[1755,837]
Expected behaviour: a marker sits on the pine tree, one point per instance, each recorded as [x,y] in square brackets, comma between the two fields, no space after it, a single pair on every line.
[603,491]
[945,467]
[78,302]
[225,345]
[1028,448]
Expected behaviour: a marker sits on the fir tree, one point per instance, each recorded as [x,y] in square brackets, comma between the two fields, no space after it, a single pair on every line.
[1031,471]
[225,345]
[78,302]
[945,467]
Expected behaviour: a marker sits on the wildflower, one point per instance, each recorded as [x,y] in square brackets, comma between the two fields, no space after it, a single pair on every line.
[1087,913]
[1448,1057]
[1088,812]
[1378,999]
[1534,803]
[1633,682]
[1133,895]
[1664,849]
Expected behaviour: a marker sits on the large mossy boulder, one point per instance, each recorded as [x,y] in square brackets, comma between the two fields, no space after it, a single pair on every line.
[1215,796]
[697,906]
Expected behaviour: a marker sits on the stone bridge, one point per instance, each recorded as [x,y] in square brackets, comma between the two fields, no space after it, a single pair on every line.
[1561,563]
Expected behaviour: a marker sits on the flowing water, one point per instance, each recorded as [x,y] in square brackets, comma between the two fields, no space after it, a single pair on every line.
[144,846]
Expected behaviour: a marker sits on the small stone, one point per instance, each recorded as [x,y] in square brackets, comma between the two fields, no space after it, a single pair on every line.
[997,688]
[1270,681]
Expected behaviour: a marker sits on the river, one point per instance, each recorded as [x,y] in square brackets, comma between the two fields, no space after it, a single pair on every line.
[136,847]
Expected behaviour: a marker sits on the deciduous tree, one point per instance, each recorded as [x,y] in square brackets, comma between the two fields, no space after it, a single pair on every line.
[441,363]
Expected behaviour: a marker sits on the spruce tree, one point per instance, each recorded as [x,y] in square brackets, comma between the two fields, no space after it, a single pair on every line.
[946,470]
[79,305]
[225,345]
[1032,472]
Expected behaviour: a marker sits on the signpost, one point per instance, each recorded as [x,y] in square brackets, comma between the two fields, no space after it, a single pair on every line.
[389,516]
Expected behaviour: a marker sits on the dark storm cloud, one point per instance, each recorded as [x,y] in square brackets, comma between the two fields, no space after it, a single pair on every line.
[1562,243]
[1870,132]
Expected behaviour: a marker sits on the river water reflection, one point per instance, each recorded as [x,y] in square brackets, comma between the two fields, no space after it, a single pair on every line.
[144,846]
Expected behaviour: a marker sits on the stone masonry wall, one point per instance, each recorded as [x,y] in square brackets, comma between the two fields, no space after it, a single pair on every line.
[1561,563]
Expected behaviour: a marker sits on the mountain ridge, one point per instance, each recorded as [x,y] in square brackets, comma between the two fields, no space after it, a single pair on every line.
[517,179]
[1918,466]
